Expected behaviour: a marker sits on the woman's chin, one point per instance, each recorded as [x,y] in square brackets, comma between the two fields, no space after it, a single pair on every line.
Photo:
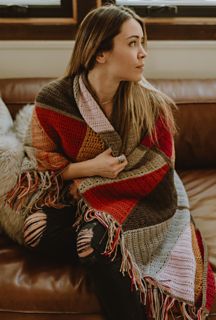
[137,78]
[133,79]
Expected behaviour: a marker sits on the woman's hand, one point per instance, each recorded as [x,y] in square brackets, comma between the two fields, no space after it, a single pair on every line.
[103,165]
[107,166]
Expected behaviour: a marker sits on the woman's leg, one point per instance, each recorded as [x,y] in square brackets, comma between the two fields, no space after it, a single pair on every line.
[51,232]
[114,290]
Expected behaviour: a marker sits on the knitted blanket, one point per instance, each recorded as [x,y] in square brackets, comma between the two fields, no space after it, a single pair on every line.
[145,209]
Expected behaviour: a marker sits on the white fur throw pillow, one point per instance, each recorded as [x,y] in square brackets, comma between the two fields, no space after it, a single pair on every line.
[6,121]
[11,156]
[12,148]
[22,121]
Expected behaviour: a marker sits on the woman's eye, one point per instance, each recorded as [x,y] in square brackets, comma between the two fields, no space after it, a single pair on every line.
[132,43]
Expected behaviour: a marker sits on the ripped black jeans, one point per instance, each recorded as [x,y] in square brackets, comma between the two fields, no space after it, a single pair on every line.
[51,232]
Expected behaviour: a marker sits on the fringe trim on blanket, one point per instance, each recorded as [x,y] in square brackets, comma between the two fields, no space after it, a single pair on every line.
[34,190]
[160,304]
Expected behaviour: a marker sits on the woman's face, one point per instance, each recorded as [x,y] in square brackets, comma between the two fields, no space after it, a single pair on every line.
[125,62]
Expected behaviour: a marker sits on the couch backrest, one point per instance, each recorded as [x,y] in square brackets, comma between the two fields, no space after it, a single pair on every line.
[18,92]
[196,121]
[196,116]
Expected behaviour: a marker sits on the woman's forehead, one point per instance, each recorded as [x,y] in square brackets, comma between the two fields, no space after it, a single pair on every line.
[131,28]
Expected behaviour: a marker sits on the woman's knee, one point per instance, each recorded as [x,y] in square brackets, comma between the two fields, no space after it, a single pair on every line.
[34,227]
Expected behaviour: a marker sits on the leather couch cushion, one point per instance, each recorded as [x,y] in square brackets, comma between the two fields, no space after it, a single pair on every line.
[38,284]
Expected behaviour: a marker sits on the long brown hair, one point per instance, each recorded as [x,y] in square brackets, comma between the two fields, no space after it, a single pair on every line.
[137,104]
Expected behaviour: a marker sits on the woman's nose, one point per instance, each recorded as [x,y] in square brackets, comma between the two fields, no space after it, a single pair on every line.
[142,53]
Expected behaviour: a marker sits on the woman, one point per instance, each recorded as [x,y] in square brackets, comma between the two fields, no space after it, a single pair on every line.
[100,185]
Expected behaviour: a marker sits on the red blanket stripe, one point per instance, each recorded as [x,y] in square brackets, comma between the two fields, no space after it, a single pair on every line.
[118,208]
[211,289]
[63,129]
[165,139]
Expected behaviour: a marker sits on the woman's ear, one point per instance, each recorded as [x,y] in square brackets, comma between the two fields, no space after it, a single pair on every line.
[101,57]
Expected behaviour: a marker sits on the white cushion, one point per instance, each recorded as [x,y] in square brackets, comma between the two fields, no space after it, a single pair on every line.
[6,121]
[11,145]
[22,121]
[11,156]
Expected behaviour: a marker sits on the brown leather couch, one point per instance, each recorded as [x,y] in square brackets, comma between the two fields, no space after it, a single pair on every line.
[35,287]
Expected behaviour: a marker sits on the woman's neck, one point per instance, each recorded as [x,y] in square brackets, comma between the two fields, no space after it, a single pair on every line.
[104,87]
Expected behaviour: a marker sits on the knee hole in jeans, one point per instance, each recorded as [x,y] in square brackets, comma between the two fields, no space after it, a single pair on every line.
[84,248]
[34,227]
